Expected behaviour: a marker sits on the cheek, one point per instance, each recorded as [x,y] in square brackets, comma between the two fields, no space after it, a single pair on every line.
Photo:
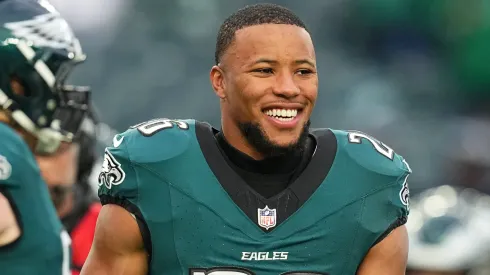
[71,175]
[310,91]
[53,174]
[245,98]
[312,96]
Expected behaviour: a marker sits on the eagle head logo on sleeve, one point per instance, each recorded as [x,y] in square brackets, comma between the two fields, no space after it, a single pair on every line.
[111,172]
[405,194]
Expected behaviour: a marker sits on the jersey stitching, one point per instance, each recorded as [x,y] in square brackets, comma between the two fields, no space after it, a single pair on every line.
[135,174]
[349,255]
[131,164]
[193,198]
[173,237]
[375,190]
[391,184]
[166,181]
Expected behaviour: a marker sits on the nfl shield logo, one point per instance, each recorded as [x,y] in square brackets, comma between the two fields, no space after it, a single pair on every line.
[266,217]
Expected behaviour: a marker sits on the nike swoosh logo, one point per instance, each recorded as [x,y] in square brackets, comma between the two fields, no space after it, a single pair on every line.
[116,141]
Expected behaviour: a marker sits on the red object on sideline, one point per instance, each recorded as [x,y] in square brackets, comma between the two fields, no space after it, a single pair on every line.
[82,237]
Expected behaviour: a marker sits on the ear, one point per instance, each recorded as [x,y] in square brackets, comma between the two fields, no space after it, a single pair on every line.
[217,78]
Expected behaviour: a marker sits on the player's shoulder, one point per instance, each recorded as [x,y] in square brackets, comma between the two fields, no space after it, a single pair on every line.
[154,140]
[14,152]
[371,154]
[373,169]
[138,149]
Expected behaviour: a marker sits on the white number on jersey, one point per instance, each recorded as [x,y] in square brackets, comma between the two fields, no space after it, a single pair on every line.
[356,137]
[149,128]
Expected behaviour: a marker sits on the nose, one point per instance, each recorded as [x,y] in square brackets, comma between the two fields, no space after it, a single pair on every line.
[285,86]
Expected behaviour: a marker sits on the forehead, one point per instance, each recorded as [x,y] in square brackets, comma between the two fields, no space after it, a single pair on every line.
[278,41]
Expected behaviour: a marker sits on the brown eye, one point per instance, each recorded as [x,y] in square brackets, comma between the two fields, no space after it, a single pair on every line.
[264,70]
[304,71]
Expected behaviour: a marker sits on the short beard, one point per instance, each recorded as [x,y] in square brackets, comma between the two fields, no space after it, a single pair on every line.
[258,139]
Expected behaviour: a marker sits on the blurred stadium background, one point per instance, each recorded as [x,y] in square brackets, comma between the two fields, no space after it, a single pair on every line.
[415,74]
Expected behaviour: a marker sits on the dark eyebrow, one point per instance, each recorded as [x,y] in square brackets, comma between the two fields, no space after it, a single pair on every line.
[305,61]
[265,60]
[297,62]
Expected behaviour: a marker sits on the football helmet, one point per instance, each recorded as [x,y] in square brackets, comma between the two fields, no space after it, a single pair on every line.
[449,230]
[87,138]
[39,50]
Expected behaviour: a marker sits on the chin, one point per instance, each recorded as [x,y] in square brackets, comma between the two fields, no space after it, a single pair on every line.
[282,140]
[272,141]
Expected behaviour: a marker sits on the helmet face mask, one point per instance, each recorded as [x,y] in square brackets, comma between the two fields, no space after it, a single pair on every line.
[39,50]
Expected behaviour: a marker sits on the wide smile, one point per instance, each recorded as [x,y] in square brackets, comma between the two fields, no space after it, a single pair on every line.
[284,117]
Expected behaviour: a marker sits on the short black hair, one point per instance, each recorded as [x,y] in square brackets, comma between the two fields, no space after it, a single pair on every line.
[252,15]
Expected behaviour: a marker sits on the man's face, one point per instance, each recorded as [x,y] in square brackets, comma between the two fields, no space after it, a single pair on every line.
[59,171]
[270,81]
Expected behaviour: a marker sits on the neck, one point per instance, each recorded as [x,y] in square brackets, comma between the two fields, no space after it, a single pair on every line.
[235,138]
[268,165]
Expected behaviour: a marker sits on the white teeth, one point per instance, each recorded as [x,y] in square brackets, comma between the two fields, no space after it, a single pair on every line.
[282,114]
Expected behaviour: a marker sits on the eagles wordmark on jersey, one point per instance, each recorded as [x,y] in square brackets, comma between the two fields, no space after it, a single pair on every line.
[197,216]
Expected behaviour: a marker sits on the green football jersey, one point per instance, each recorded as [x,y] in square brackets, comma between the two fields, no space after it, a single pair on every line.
[43,247]
[198,217]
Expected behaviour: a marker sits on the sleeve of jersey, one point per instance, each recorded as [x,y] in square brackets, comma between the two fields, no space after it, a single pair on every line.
[118,183]
[388,208]
[7,178]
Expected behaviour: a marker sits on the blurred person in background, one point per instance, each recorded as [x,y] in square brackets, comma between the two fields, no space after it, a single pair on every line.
[449,232]
[38,114]
[266,194]
[67,175]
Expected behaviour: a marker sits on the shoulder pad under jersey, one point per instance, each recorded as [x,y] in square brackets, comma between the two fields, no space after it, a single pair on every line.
[15,158]
[155,140]
[376,171]
[148,142]
[372,154]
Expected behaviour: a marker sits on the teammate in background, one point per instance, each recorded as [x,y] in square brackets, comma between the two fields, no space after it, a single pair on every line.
[38,114]
[449,232]
[67,174]
[265,194]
